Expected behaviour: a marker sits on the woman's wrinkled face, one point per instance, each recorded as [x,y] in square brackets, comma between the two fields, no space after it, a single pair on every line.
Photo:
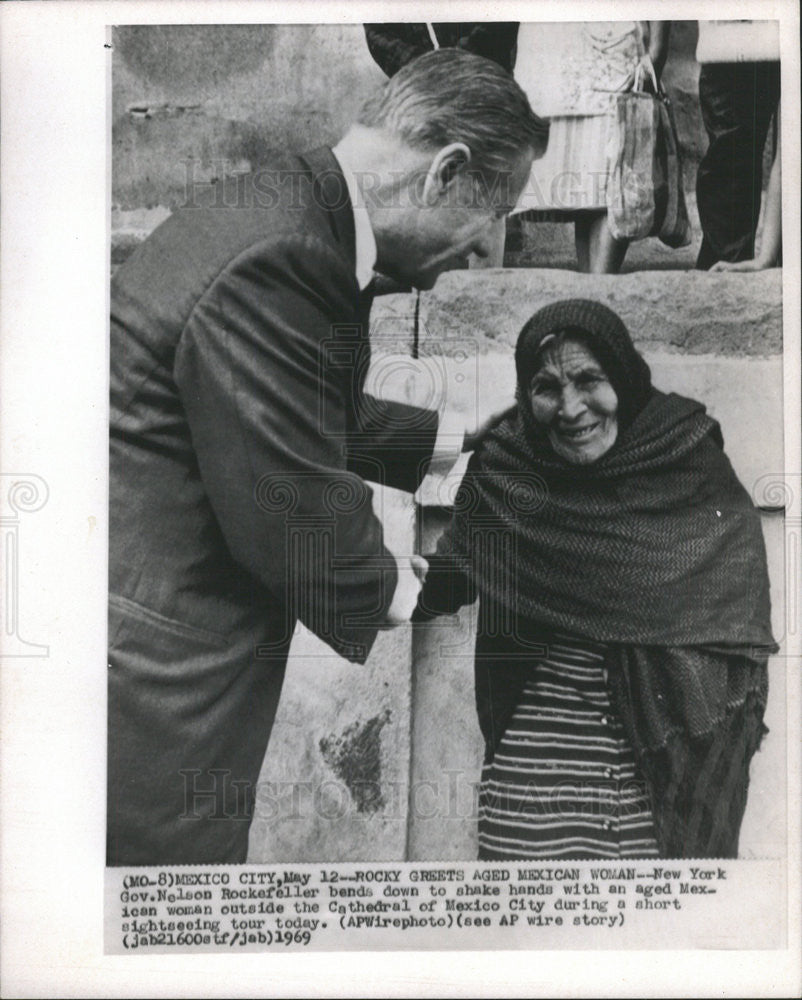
[572,398]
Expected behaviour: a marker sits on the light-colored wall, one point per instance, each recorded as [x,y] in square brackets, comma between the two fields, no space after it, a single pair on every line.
[196,101]
[335,781]
[208,99]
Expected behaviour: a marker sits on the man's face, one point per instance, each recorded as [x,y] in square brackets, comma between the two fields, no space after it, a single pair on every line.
[439,233]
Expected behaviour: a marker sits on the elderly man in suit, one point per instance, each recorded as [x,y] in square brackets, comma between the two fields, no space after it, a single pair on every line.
[241,436]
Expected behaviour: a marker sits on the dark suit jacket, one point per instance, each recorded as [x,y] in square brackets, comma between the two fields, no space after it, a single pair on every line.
[238,357]
[392,45]
[239,433]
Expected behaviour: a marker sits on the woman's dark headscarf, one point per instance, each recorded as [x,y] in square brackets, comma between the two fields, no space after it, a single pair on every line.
[605,335]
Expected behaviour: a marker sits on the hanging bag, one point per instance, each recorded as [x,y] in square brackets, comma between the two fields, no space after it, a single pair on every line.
[675,228]
[645,196]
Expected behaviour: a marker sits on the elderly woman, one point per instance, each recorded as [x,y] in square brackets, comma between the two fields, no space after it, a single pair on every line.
[623,624]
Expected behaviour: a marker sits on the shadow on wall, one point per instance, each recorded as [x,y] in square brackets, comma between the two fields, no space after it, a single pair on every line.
[194,102]
[198,101]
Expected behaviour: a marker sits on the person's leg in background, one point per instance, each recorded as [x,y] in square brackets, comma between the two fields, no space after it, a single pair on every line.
[737,102]
[597,250]
[514,241]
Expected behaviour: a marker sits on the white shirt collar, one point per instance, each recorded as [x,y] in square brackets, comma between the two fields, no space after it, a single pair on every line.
[364,239]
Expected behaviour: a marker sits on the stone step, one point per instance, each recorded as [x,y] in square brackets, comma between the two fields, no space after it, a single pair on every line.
[692,312]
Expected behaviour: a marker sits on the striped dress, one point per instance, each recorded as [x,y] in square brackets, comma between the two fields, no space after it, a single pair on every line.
[562,782]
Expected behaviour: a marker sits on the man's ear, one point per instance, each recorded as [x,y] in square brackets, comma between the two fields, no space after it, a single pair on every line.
[446,165]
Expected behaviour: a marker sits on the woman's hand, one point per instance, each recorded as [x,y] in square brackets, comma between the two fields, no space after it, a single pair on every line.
[411,574]
[646,73]
[642,77]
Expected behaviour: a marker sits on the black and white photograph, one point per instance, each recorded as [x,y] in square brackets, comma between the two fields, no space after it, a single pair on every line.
[442,560]
[622,624]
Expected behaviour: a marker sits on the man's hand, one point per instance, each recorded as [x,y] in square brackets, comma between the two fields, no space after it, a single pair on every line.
[474,434]
[411,574]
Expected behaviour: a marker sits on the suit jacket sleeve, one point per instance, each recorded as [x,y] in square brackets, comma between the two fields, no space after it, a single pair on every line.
[393,45]
[391,443]
[494,40]
[269,418]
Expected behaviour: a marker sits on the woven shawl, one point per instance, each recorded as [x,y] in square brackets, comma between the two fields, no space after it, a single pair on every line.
[655,543]
[655,550]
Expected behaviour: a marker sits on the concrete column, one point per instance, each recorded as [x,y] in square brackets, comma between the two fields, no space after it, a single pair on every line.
[334,785]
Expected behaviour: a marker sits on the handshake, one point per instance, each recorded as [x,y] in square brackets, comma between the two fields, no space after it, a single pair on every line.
[411,574]
[412,569]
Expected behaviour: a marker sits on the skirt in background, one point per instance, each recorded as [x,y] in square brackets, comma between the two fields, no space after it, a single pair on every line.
[572,175]
[570,73]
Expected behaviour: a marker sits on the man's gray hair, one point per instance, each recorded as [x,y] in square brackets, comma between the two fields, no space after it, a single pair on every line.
[450,95]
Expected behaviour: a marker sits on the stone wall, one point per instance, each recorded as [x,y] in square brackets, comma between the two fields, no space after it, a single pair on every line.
[193,102]
[206,99]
